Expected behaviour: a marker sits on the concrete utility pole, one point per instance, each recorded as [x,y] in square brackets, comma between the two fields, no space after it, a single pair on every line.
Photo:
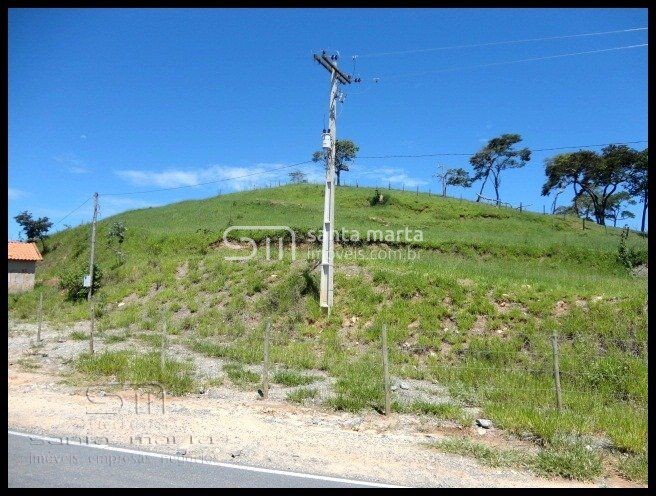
[328,242]
[91,261]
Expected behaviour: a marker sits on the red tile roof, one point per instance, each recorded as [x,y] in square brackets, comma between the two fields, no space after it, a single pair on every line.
[23,251]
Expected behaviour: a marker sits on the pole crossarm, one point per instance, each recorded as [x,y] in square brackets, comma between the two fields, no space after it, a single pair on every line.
[325,61]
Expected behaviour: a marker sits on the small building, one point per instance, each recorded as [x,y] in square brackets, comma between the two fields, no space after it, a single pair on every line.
[22,265]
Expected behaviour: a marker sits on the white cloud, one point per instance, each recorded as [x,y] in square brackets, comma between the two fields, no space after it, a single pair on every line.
[237,178]
[162,179]
[15,194]
[73,163]
[396,176]
[261,174]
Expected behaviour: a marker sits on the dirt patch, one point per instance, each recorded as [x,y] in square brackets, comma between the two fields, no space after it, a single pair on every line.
[53,283]
[561,308]
[479,325]
[131,298]
[354,271]
[181,313]
[640,271]
[448,324]
[182,270]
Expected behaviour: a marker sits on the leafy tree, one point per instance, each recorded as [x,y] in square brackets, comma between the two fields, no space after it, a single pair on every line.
[298,177]
[455,177]
[638,185]
[596,175]
[35,229]
[616,203]
[345,152]
[498,155]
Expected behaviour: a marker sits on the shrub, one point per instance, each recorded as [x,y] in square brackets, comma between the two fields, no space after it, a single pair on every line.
[72,280]
[629,256]
[379,198]
[116,231]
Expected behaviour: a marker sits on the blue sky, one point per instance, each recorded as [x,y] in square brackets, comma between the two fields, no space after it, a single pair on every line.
[131,100]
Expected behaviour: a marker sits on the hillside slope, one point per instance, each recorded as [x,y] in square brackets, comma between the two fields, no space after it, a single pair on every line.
[471,306]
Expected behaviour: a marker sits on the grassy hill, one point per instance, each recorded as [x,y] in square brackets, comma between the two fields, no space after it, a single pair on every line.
[472,306]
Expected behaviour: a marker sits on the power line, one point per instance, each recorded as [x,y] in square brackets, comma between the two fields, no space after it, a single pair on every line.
[532,59]
[532,150]
[72,211]
[208,182]
[506,42]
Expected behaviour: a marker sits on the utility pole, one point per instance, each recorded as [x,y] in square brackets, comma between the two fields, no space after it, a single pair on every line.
[328,245]
[91,261]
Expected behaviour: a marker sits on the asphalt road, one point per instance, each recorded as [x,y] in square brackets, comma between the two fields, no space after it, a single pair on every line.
[46,462]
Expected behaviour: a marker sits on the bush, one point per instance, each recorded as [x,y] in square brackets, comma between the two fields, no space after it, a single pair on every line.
[116,231]
[379,199]
[630,256]
[72,281]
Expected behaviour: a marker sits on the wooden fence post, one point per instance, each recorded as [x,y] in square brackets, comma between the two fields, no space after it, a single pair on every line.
[556,371]
[162,351]
[386,379]
[40,317]
[265,363]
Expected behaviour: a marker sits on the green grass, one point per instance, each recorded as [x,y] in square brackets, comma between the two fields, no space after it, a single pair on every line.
[134,369]
[292,378]
[241,376]
[447,411]
[486,455]
[474,311]
[634,467]
[302,394]
[116,338]
[572,461]
[78,336]
[28,363]
[359,385]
